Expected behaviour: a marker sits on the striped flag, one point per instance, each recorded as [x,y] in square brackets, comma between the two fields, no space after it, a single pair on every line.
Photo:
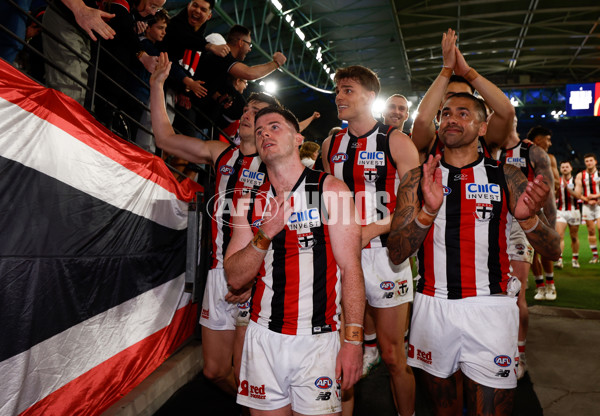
[92,257]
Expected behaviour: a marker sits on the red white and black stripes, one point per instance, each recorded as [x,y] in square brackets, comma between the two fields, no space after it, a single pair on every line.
[464,253]
[234,172]
[93,256]
[590,182]
[298,288]
[518,156]
[564,200]
[366,165]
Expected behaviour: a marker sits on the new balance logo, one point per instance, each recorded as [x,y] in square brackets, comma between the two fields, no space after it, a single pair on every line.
[324,395]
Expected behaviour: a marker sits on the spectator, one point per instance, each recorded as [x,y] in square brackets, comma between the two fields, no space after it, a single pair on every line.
[122,53]
[62,19]
[153,35]
[309,152]
[27,60]
[213,69]
[185,43]
[229,121]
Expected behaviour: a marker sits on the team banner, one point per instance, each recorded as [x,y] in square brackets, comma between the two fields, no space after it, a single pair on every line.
[92,257]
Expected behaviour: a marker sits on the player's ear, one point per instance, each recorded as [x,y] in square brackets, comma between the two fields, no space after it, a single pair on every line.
[482,129]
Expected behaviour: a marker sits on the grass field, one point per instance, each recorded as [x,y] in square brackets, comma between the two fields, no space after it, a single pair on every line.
[575,288]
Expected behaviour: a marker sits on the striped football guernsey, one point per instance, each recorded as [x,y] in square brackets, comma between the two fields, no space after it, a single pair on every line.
[464,252]
[518,156]
[234,172]
[365,164]
[298,289]
[565,201]
[590,182]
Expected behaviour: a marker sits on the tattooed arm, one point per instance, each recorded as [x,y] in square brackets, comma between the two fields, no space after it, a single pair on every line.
[411,223]
[542,166]
[525,200]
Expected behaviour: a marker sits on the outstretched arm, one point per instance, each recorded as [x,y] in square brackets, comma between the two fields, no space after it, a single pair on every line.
[243,71]
[411,223]
[91,20]
[188,148]
[305,123]
[526,199]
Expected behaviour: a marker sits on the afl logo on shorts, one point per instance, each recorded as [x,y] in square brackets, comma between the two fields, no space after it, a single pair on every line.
[502,360]
[226,170]
[387,285]
[323,382]
[244,305]
[339,158]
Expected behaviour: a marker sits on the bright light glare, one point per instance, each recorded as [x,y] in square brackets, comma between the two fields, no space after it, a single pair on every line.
[378,107]
[270,87]
[414,115]
[300,33]
[514,101]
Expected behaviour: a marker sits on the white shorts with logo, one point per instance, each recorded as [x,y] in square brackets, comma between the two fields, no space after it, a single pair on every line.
[386,284]
[218,314]
[280,369]
[519,248]
[572,217]
[477,335]
[590,212]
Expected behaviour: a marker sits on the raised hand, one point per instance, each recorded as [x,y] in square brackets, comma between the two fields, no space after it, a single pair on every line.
[462,67]
[431,184]
[92,20]
[161,71]
[448,48]
[279,58]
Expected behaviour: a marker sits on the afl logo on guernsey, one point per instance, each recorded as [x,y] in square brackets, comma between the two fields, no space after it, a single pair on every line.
[227,170]
[253,178]
[367,158]
[502,360]
[339,158]
[257,223]
[324,383]
[447,190]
